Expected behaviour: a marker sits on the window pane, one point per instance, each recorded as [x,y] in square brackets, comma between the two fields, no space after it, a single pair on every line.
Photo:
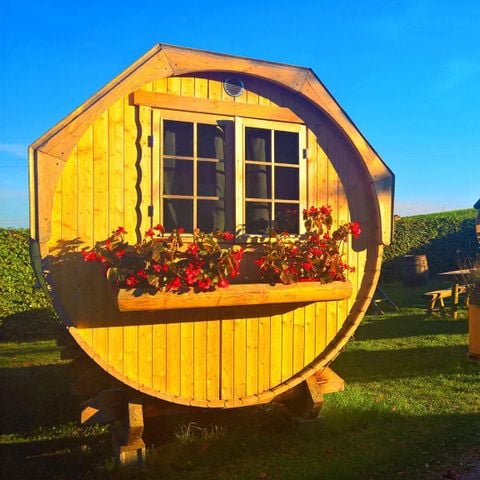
[286,217]
[178,138]
[210,141]
[211,179]
[211,215]
[258,181]
[258,217]
[177,177]
[258,144]
[178,213]
[286,183]
[286,147]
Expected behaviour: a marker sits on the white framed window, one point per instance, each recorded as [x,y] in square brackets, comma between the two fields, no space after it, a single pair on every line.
[229,173]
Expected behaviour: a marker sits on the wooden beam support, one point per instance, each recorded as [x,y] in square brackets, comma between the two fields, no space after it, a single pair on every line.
[220,107]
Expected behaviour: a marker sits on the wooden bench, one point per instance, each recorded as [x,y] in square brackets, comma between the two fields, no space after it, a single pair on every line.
[438,296]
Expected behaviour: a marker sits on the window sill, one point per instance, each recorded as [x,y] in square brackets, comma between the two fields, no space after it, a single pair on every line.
[235,295]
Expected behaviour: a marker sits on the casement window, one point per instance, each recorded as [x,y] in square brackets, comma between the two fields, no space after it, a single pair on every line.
[233,174]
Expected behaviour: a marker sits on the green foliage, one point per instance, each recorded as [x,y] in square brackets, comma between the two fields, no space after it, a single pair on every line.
[448,240]
[25,312]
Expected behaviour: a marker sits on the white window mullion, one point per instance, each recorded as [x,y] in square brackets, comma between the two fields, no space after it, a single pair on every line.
[240,173]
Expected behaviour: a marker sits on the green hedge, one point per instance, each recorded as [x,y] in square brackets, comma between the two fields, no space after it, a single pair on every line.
[25,312]
[448,239]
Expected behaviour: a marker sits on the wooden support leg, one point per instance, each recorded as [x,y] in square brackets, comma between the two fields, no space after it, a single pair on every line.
[305,401]
[454,306]
[128,446]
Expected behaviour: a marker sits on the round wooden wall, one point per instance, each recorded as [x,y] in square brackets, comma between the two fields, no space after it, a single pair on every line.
[204,357]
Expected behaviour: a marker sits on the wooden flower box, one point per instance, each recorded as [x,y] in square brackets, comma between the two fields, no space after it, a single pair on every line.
[235,295]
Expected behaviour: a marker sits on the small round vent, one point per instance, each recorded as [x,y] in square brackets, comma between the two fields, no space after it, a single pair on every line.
[234,87]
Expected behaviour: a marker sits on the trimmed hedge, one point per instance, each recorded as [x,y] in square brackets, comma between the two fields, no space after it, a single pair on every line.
[447,239]
[25,312]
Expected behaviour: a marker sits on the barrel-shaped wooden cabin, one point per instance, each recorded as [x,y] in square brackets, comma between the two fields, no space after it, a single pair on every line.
[170,141]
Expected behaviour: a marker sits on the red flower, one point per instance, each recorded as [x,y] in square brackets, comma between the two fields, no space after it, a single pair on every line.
[307,265]
[120,231]
[326,236]
[159,227]
[174,284]
[326,210]
[120,253]
[180,230]
[223,283]
[355,229]
[102,259]
[193,249]
[131,281]
[89,256]
[108,244]
[150,233]
[204,285]
[142,274]
[156,267]
[228,236]
[260,262]
[234,273]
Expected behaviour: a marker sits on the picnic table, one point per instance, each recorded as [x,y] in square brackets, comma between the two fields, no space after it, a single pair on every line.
[457,277]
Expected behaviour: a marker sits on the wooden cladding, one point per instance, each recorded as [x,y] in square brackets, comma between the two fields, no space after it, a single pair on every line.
[220,107]
[236,295]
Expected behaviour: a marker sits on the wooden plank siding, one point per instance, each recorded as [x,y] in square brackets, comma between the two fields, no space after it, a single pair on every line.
[189,356]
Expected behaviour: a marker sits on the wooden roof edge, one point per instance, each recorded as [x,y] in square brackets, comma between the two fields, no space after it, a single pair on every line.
[387,168]
[166,47]
[95,97]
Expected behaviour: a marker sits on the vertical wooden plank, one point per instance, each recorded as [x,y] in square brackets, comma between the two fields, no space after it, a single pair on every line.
[187,86]
[199,356]
[131,352]
[101,228]
[160,85]
[159,356]
[298,339]
[240,358]
[320,327]
[145,355]
[174,370]
[332,307]
[174,85]
[215,90]
[68,246]
[309,351]
[287,345]
[156,167]
[201,87]
[116,218]
[275,349]
[213,359]
[85,231]
[264,348]
[252,355]
[227,345]
[145,120]
[188,377]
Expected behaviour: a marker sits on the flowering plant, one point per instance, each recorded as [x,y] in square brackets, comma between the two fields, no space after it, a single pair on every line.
[162,262]
[315,255]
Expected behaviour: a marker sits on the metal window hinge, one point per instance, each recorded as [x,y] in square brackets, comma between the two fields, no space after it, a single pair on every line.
[150,210]
[151,140]
[304,153]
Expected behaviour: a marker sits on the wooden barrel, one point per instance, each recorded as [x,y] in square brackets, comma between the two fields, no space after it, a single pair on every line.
[415,270]
[102,168]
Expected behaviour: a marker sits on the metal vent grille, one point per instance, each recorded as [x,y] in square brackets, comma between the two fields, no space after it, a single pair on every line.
[234,87]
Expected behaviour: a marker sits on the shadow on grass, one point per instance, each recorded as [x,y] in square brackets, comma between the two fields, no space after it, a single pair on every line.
[378,365]
[34,397]
[36,324]
[406,324]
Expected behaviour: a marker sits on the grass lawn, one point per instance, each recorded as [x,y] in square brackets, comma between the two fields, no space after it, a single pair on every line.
[410,411]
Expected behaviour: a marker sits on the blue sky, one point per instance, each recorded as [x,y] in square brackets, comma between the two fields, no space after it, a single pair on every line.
[406,72]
